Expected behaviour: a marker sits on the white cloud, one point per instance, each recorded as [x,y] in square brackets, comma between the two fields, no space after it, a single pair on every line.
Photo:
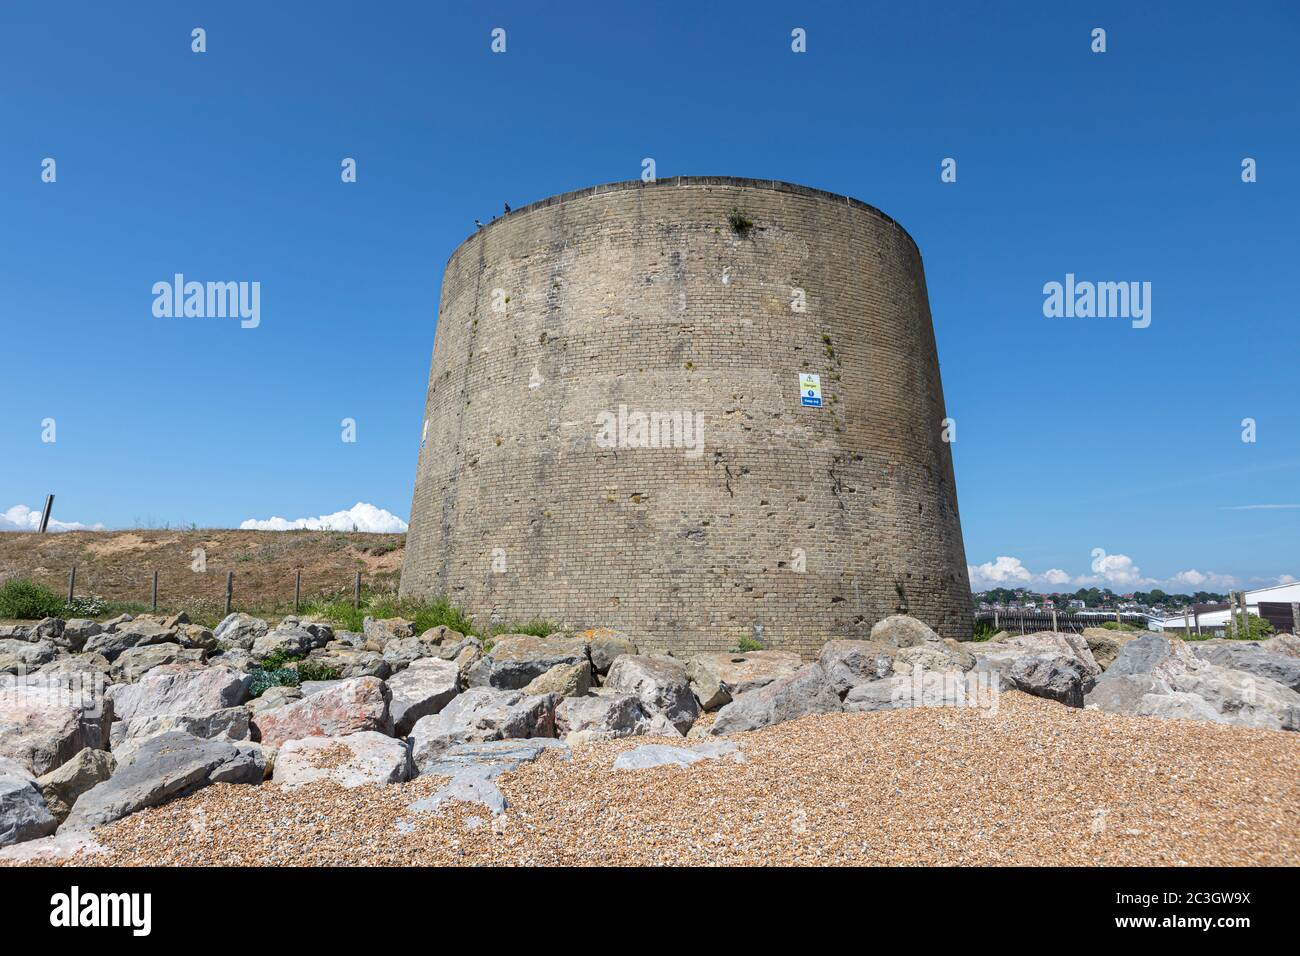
[360,517]
[23,518]
[1001,572]
[1199,581]
[1116,571]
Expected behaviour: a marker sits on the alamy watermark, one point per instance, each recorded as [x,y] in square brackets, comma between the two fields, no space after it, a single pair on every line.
[637,429]
[1102,300]
[209,300]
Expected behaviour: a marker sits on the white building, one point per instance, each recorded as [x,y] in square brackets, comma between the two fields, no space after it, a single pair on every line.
[1217,620]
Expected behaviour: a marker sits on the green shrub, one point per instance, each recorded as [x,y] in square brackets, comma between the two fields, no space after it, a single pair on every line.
[278,660]
[264,679]
[314,670]
[1257,629]
[85,607]
[537,627]
[423,615]
[1117,626]
[26,600]
[740,223]
[984,631]
[747,644]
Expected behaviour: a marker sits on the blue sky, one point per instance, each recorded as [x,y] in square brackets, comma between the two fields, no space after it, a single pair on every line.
[1072,434]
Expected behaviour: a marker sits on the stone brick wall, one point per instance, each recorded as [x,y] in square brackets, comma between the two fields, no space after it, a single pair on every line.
[644,296]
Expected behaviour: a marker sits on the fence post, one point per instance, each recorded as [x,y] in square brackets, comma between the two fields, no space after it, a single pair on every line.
[297,590]
[996,628]
[1054,627]
[230,589]
[356,592]
[72,583]
[155,590]
[1119,620]
[1245,615]
[1187,625]
[1196,616]
[1295,618]
[1022,622]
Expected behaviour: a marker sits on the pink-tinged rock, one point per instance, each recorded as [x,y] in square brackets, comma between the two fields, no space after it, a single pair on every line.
[352,761]
[44,723]
[349,707]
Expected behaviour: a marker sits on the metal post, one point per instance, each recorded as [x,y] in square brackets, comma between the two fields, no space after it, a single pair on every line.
[297,590]
[230,589]
[155,589]
[72,583]
[356,592]
[45,512]
[1022,622]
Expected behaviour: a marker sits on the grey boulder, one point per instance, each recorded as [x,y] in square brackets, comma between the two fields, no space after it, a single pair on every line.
[425,687]
[660,683]
[718,678]
[517,659]
[62,786]
[23,813]
[239,631]
[806,691]
[1250,657]
[848,663]
[481,714]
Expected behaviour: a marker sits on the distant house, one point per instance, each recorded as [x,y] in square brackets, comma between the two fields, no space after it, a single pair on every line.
[1214,617]
[1076,604]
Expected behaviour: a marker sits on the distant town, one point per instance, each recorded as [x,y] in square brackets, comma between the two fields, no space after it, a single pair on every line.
[1155,602]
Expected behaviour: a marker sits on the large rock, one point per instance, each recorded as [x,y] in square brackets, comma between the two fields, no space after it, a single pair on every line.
[474,767]
[849,663]
[517,659]
[77,631]
[717,679]
[400,652]
[1287,644]
[563,680]
[23,813]
[603,645]
[1105,644]
[239,631]
[293,640]
[167,766]
[80,666]
[899,630]
[275,696]
[182,688]
[1054,666]
[140,633]
[806,691]
[350,707]
[231,723]
[922,688]
[1242,698]
[353,760]
[425,687]
[1154,654]
[135,662]
[663,755]
[661,684]
[21,657]
[1250,657]
[379,633]
[481,714]
[352,662]
[602,717]
[62,786]
[46,721]
[943,655]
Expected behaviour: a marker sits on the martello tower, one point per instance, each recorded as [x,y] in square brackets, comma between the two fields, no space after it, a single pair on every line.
[620,427]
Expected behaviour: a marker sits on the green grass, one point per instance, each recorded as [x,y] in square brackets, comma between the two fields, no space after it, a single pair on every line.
[537,627]
[984,631]
[1117,626]
[747,644]
[422,614]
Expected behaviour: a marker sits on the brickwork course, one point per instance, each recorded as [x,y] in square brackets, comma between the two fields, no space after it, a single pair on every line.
[787,523]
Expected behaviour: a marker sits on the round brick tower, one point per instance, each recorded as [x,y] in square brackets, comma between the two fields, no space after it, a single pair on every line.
[620,429]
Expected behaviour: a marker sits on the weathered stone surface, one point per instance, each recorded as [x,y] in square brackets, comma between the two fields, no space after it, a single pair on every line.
[350,707]
[1153,654]
[140,633]
[423,688]
[239,631]
[900,630]
[563,680]
[56,846]
[474,767]
[931,656]
[1250,657]
[79,666]
[1178,705]
[195,637]
[353,760]
[1050,665]
[62,786]
[135,662]
[517,659]
[229,724]
[23,814]
[604,644]
[293,640]
[77,631]
[1242,698]
[22,657]
[1105,644]
[482,714]
[662,755]
[919,689]
[1123,693]
[399,652]
[167,766]
[309,687]
[475,784]
[806,691]
[718,678]
[1287,644]
[602,717]
[849,663]
[236,658]
[46,721]
[661,684]
[182,688]
[274,697]
[353,662]
[379,633]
